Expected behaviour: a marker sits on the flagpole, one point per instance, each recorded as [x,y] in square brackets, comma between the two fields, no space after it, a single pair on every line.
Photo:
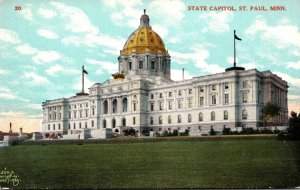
[234,63]
[82,90]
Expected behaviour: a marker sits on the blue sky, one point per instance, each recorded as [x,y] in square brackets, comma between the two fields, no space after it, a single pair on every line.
[44,45]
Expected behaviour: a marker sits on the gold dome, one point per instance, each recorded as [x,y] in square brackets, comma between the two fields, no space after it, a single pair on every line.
[144,39]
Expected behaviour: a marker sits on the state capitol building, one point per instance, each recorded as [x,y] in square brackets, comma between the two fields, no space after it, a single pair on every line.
[142,96]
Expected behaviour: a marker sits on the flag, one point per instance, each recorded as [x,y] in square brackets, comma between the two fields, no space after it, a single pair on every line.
[84,71]
[235,37]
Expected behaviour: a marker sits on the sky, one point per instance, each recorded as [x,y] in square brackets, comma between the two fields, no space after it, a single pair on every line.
[44,45]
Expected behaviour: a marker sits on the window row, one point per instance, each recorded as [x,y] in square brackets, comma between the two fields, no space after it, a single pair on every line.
[200,117]
[82,113]
[54,127]
[114,106]
[153,66]
[55,116]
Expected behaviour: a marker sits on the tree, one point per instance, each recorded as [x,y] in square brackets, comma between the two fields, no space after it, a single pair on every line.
[269,112]
[294,126]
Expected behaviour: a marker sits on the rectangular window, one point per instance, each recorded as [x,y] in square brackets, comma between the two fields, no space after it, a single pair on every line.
[86,113]
[226,99]
[133,120]
[201,101]
[213,100]
[161,105]
[54,116]
[245,97]
[170,94]
[170,103]
[152,96]
[213,87]
[152,65]
[93,111]
[190,91]
[152,106]
[134,106]
[80,113]
[180,104]
[226,86]
[201,90]
[130,66]
[160,95]
[74,114]
[179,93]
[141,66]
[190,103]
[245,84]
[69,115]
[50,117]
[59,116]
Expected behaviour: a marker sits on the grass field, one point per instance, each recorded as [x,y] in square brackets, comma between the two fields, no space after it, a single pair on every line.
[168,164]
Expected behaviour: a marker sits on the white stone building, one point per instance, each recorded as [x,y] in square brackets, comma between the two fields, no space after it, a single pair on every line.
[143,96]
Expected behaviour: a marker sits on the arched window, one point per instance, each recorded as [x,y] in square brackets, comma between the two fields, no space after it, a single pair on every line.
[113,123]
[105,107]
[74,125]
[160,120]
[151,120]
[179,119]
[244,114]
[141,64]
[123,122]
[130,65]
[104,123]
[115,106]
[225,115]
[169,119]
[92,123]
[190,118]
[124,105]
[212,116]
[200,116]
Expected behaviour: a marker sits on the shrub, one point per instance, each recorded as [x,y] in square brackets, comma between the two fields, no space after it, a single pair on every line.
[212,132]
[175,133]
[226,131]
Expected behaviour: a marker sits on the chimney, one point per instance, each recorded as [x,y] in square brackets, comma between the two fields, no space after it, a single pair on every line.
[10,131]
[182,73]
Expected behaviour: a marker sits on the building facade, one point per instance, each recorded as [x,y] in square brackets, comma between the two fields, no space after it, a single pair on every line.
[143,96]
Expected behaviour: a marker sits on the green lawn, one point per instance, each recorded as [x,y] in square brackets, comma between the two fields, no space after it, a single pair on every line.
[166,164]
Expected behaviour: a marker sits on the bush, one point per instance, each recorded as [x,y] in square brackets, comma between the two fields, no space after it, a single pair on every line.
[226,131]
[212,132]
[175,133]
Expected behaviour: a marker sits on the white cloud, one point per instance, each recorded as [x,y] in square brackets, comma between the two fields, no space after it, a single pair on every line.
[161,30]
[9,36]
[26,12]
[92,40]
[276,34]
[176,75]
[26,49]
[104,66]
[3,72]
[47,34]
[6,93]
[46,57]
[34,106]
[59,69]
[46,13]
[75,19]
[170,11]
[294,65]
[293,97]
[217,22]
[35,79]
[288,78]
[87,84]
